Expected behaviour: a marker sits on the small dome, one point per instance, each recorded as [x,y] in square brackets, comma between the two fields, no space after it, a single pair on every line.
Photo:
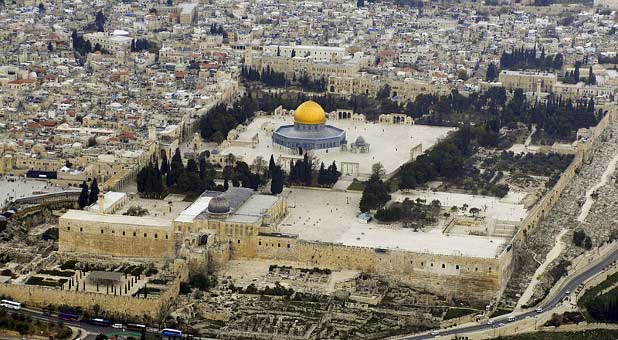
[309,112]
[360,141]
[219,205]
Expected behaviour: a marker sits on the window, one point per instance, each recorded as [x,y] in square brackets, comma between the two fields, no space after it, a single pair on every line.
[238,241]
[432,264]
[113,231]
[260,243]
[123,233]
[166,236]
[156,236]
[490,269]
[476,269]
[288,245]
[81,229]
[278,245]
[457,267]
[134,234]
[443,266]
[101,231]
[145,235]
[68,228]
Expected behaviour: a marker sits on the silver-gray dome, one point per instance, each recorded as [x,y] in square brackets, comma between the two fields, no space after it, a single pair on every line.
[360,141]
[219,205]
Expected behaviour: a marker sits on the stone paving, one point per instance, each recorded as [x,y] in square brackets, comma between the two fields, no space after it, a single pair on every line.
[600,223]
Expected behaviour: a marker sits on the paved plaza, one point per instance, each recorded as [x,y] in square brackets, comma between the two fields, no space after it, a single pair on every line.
[13,187]
[389,144]
[333,218]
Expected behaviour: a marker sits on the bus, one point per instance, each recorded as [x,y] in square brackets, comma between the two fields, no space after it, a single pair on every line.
[136,327]
[68,316]
[10,304]
[170,332]
[99,322]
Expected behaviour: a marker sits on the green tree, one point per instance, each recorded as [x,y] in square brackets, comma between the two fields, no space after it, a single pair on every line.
[189,178]
[271,165]
[176,167]
[375,194]
[492,72]
[83,196]
[579,237]
[94,192]
[322,175]
[592,79]
[276,184]
[384,92]
[165,166]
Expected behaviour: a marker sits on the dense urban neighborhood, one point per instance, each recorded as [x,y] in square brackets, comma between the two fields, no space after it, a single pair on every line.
[338,169]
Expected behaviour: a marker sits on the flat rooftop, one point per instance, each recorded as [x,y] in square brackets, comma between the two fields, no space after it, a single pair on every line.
[315,215]
[143,221]
[246,205]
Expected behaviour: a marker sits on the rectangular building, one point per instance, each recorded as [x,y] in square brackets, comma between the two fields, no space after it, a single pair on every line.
[88,232]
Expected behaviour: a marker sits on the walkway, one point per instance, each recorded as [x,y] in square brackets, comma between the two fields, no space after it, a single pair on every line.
[551,256]
[611,168]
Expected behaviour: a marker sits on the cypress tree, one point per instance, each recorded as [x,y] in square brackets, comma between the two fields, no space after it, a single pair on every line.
[83,196]
[165,166]
[176,168]
[322,175]
[276,184]
[271,165]
[94,192]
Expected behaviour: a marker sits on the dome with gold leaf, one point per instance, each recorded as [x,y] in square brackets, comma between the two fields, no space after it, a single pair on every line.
[309,113]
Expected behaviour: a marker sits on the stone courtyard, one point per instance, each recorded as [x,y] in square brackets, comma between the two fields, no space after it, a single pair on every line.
[397,139]
[333,218]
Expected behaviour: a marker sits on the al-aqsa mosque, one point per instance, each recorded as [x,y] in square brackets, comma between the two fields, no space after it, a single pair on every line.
[309,132]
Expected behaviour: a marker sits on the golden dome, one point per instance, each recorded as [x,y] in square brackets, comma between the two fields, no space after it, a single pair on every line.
[309,112]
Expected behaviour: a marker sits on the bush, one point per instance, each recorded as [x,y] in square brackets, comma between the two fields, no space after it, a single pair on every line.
[70,264]
[55,272]
[578,237]
[453,313]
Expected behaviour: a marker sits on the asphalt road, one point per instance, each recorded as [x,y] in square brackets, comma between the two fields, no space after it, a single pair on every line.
[570,285]
[84,326]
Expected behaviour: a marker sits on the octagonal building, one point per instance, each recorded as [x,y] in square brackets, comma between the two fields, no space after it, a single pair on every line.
[309,132]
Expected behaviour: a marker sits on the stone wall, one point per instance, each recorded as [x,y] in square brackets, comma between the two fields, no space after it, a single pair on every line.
[460,277]
[38,296]
[543,207]
[116,239]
